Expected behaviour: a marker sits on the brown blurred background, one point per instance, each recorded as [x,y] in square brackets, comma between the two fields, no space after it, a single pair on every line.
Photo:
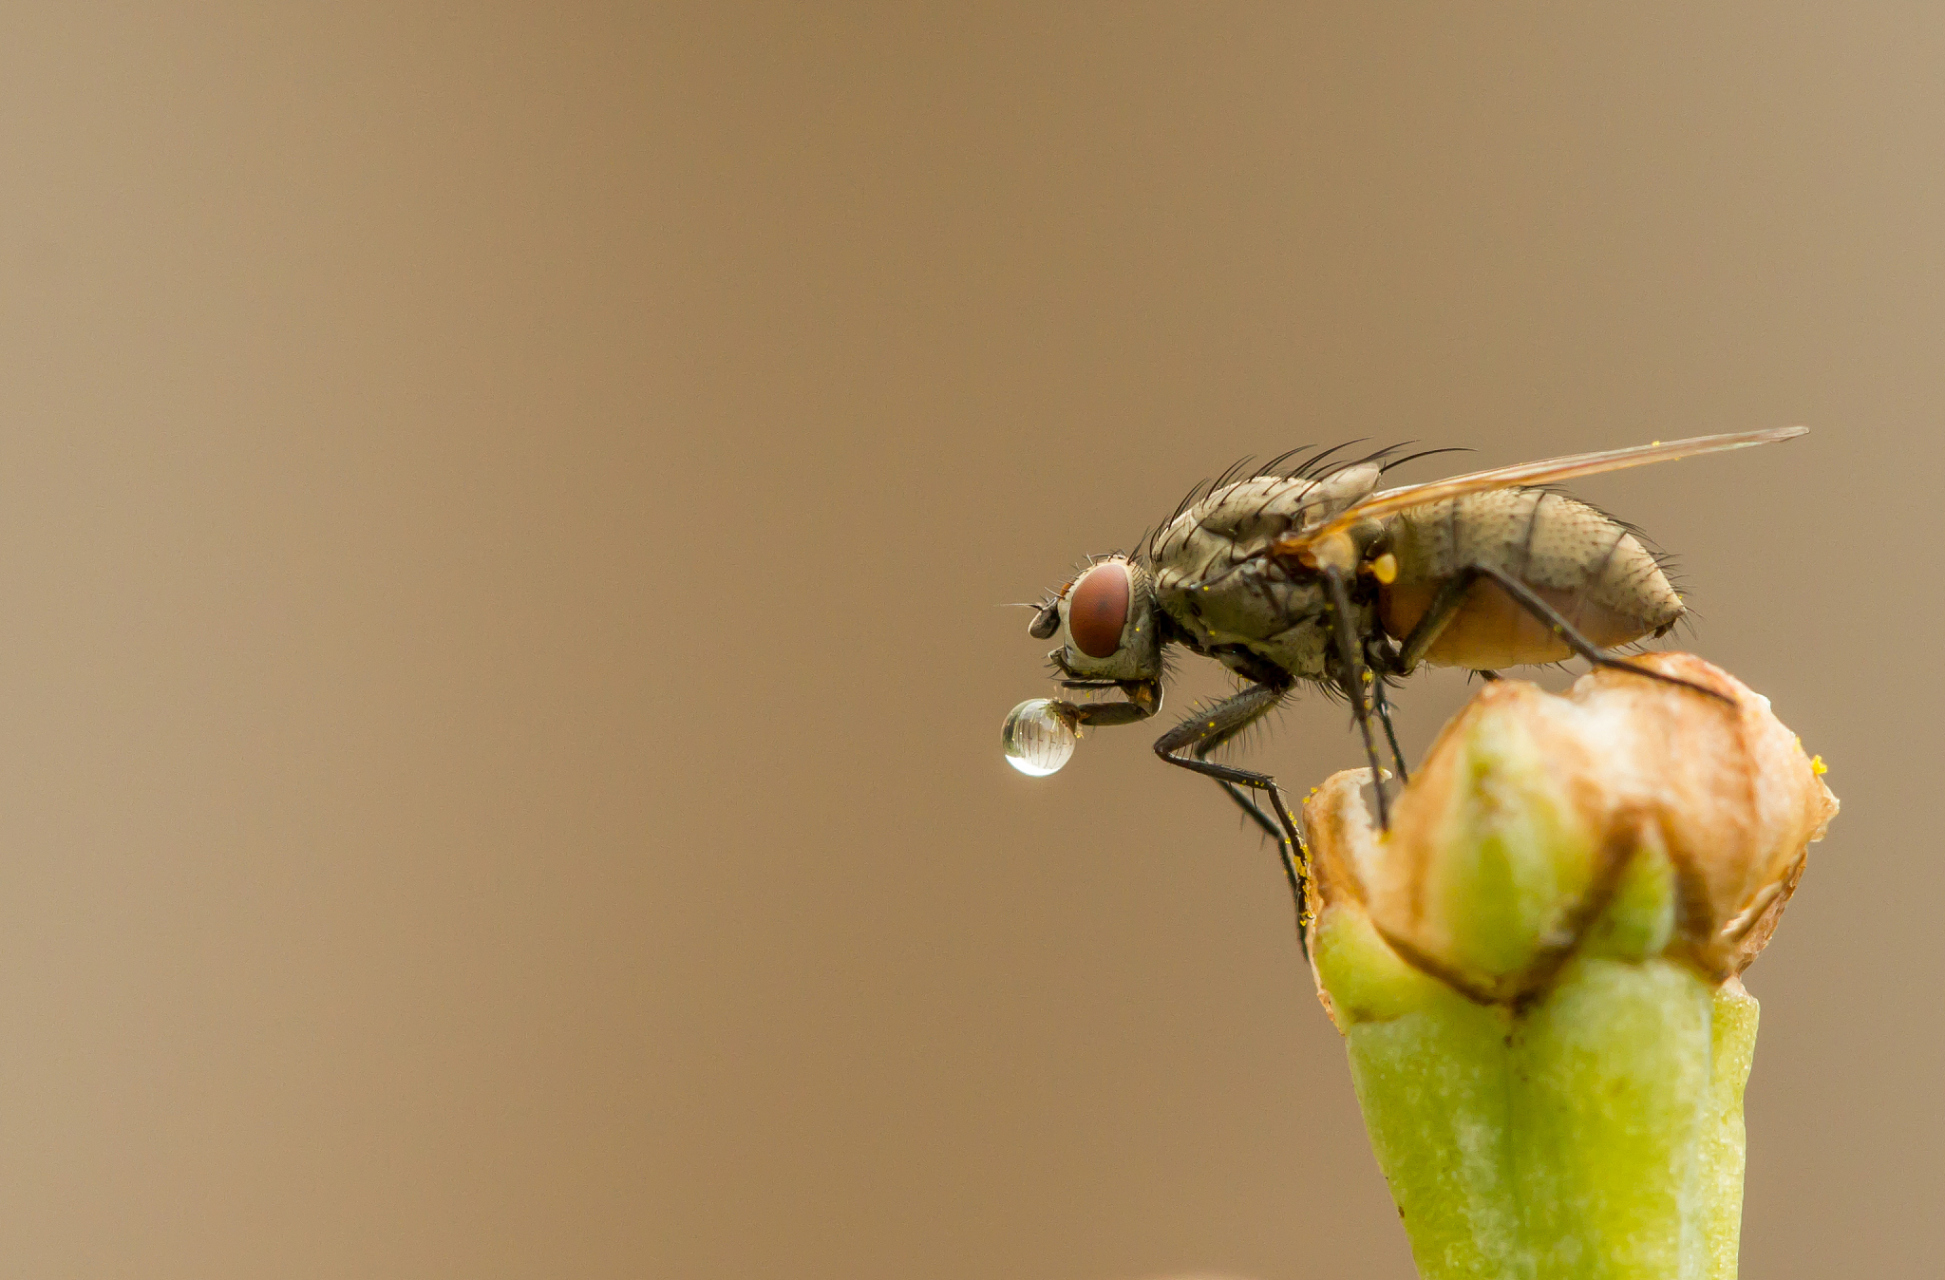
[504,513]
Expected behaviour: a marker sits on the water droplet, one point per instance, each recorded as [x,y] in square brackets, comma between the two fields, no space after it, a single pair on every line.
[1038,740]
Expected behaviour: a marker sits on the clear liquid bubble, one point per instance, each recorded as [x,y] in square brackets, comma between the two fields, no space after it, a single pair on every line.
[1038,739]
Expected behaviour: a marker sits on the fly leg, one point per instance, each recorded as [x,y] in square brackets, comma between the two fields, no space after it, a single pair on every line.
[1143,699]
[1390,734]
[1355,674]
[1445,605]
[1253,810]
[1383,656]
[1188,744]
[1451,595]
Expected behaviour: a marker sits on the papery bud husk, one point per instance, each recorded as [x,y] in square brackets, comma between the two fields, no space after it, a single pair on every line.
[1524,821]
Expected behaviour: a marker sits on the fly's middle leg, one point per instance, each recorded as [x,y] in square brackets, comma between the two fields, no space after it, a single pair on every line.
[1359,681]
[1188,745]
[1382,656]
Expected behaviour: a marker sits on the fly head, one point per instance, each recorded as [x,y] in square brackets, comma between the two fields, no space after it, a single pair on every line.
[1107,623]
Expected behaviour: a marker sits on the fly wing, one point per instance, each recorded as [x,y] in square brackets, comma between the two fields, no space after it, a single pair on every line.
[1552,471]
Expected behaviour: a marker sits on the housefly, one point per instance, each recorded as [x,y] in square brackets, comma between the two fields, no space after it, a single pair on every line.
[1312,574]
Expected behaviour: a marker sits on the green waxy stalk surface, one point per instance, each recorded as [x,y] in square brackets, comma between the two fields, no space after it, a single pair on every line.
[1593,1132]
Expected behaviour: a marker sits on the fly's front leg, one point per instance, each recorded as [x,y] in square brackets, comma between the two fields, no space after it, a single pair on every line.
[1251,810]
[1351,660]
[1188,744]
[1144,699]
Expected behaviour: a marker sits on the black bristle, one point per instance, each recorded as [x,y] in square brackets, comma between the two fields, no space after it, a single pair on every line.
[1423,453]
[1310,467]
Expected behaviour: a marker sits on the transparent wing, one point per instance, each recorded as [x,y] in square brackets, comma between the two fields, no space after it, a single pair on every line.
[1552,471]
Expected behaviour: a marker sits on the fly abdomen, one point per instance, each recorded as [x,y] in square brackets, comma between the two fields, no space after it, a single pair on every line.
[1584,564]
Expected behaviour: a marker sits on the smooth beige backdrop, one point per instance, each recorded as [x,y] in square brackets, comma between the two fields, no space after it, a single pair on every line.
[504,518]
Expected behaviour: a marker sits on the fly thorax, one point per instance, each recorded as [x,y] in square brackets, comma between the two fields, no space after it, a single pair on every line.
[1338,490]
[1238,521]
[1303,650]
[1215,577]
[1261,604]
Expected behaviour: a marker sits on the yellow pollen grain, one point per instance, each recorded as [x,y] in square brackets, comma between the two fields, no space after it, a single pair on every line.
[1385,568]
[1818,767]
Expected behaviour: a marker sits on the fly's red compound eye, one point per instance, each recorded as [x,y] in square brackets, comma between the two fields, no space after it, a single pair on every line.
[1098,609]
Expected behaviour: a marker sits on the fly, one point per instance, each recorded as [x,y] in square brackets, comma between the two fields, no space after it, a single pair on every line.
[1315,575]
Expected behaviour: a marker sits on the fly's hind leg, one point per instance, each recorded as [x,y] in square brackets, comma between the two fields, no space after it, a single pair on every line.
[1188,744]
[1530,600]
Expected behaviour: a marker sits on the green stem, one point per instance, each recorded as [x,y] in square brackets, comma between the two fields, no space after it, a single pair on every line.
[1595,1132]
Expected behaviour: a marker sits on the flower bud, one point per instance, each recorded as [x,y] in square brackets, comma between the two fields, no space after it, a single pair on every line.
[1632,814]
[1535,969]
